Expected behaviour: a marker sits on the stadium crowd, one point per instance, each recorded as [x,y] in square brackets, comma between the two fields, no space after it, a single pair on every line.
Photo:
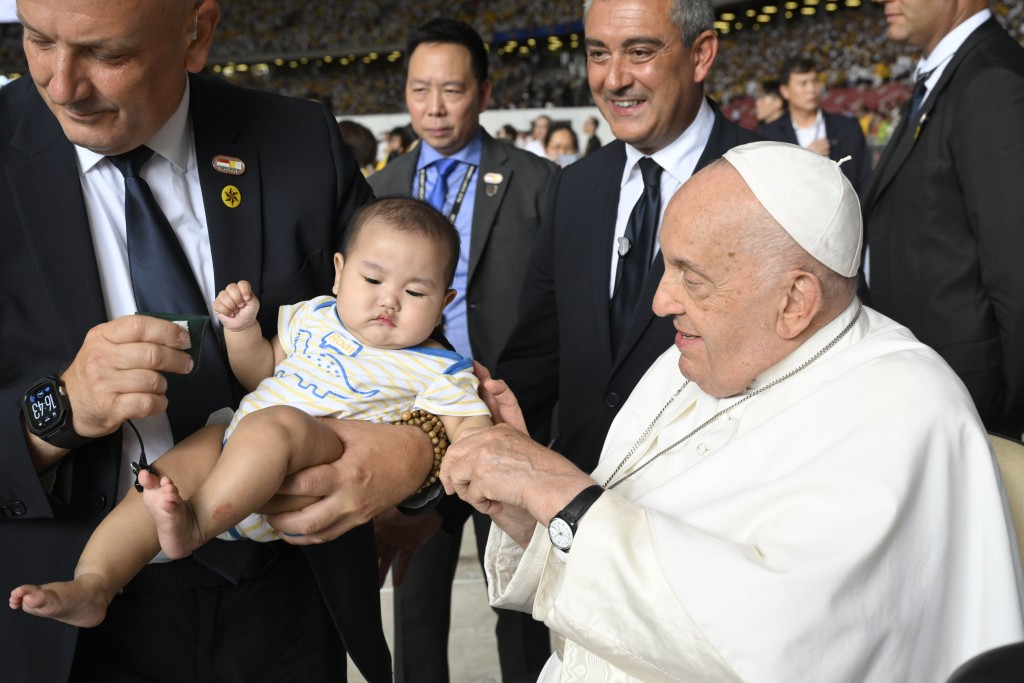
[856,62]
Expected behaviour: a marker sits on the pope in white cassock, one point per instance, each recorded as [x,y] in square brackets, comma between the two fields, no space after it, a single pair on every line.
[813,499]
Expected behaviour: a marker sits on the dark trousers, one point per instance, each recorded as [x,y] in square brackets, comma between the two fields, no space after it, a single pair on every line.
[423,616]
[272,627]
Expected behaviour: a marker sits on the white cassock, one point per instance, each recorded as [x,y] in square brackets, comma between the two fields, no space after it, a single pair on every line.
[848,524]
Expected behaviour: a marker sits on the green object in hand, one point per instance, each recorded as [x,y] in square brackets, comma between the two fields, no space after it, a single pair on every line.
[195,325]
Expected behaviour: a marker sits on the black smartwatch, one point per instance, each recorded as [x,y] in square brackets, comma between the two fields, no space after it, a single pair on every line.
[47,411]
[562,527]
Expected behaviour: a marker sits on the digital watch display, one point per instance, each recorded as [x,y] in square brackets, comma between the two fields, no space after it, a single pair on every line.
[47,412]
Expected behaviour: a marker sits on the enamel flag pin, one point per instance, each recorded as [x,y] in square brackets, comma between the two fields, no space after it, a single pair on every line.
[492,180]
[231,196]
[229,165]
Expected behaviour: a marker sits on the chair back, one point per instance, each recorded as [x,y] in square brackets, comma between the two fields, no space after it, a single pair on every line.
[1010,456]
[1002,664]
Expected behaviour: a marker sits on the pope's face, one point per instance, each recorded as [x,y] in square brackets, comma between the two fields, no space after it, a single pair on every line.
[113,71]
[443,97]
[721,307]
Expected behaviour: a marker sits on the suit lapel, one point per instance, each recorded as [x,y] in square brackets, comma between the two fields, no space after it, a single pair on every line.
[601,213]
[906,136]
[47,192]
[788,131]
[404,175]
[235,229]
[493,160]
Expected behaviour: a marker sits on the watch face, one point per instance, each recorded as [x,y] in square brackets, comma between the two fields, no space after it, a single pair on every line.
[560,533]
[42,409]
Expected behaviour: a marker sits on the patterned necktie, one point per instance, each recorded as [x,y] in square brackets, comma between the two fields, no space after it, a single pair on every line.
[163,282]
[636,251]
[439,193]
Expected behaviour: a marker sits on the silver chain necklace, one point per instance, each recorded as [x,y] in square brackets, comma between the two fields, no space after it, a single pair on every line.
[647,432]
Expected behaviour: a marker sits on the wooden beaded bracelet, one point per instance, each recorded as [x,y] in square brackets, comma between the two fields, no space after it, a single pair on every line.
[434,428]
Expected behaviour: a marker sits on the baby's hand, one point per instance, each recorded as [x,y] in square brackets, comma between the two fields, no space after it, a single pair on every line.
[236,306]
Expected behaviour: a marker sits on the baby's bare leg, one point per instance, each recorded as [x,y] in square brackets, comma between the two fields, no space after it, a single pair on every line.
[121,545]
[267,446]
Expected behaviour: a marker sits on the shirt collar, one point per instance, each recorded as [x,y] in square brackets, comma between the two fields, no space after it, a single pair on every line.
[672,157]
[470,154]
[948,46]
[819,119]
[172,141]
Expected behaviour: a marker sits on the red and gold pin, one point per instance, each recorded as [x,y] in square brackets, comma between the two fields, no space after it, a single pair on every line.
[231,196]
[230,165]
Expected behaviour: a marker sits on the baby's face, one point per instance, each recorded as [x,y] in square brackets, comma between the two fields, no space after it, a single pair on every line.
[391,287]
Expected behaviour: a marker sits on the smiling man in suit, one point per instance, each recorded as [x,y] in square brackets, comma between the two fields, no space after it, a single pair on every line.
[944,211]
[114,82]
[586,332]
[494,194]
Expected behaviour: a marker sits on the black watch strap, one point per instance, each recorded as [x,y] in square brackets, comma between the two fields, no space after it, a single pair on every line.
[572,512]
[67,438]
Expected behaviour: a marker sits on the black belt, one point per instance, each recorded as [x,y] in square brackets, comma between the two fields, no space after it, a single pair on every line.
[189,573]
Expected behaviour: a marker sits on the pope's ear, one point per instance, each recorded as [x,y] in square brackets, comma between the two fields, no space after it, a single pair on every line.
[799,304]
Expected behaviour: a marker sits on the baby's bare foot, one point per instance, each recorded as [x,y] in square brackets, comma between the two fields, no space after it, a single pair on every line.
[82,602]
[175,521]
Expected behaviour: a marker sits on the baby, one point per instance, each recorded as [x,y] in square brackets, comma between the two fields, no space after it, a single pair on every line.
[366,354]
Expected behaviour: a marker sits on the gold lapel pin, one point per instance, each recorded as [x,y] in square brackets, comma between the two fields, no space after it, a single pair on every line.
[231,196]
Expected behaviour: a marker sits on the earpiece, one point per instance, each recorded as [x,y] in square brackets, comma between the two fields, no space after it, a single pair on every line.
[194,36]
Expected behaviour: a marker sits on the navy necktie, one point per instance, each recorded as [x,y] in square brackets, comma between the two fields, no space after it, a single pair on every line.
[917,96]
[439,193]
[163,282]
[636,251]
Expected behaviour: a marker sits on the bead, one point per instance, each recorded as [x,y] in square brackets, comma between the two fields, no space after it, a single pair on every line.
[434,428]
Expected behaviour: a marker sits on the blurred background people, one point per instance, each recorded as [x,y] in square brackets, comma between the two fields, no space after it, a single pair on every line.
[590,127]
[561,145]
[835,136]
[769,104]
[363,144]
[538,134]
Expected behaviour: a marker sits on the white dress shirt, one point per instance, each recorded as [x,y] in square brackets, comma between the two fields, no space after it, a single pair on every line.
[678,160]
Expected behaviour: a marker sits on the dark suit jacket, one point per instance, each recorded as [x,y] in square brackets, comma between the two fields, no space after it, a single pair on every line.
[560,349]
[845,138]
[298,190]
[944,221]
[504,226]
